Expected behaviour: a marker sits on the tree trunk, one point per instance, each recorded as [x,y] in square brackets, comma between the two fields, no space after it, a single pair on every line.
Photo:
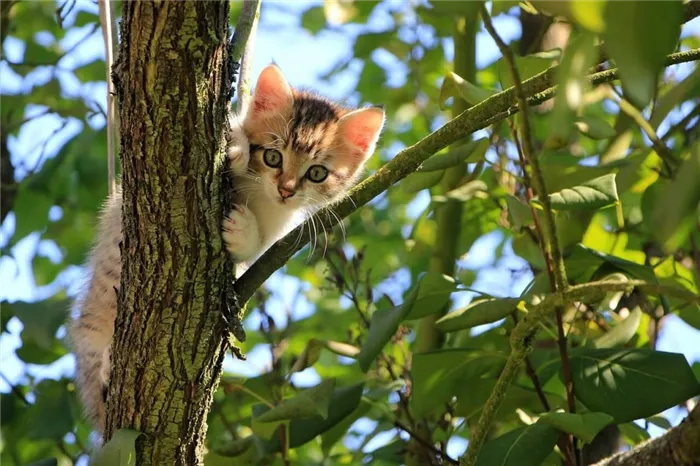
[172,83]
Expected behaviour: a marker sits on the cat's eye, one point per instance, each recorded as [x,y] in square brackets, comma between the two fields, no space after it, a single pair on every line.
[317,173]
[272,158]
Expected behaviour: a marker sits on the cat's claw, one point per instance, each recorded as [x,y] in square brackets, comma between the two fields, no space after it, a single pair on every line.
[237,149]
[241,234]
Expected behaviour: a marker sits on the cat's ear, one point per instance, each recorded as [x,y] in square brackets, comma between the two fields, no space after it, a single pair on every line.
[272,96]
[359,131]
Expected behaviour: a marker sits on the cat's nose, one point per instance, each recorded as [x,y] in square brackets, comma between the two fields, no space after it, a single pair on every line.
[285,193]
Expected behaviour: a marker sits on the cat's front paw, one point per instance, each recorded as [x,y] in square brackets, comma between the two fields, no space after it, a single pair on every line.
[241,234]
[237,148]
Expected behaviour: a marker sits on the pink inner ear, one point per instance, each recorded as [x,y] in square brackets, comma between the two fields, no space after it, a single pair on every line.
[362,128]
[272,93]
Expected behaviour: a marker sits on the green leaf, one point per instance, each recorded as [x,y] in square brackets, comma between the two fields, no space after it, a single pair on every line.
[384,325]
[32,353]
[45,462]
[343,402]
[687,89]
[91,72]
[594,128]
[416,182]
[674,213]
[465,153]
[639,49]
[31,211]
[593,194]
[84,18]
[661,422]
[571,79]
[455,86]
[479,312]
[583,426]
[519,213]
[50,415]
[235,447]
[631,384]
[119,451]
[310,402]
[528,66]
[503,6]
[622,332]
[11,407]
[45,270]
[331,436]
[313,19]
[41,320]
[587,13]
[526,446]
[467,9]
[393,452]
[434,290]
[309,356]
[464,193]
[474,394]
[439,375]
[633,433]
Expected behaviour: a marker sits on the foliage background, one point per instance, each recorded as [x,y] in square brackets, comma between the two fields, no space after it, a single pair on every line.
[53,102]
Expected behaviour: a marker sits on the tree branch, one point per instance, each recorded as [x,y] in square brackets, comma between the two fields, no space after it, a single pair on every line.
[524,333]
[496,108]
[108,23]
[679,446]
[242,46]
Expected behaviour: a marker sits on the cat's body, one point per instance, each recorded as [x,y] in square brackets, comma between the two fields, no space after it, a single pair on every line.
[291,154]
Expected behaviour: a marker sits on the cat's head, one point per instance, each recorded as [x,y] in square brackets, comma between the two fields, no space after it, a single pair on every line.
[305,150]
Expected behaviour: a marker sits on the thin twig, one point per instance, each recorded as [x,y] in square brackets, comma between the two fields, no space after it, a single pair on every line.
[681,125]
[108,30]
[550,243]
[527,147]
[661,150]
[422,441]
[242,46]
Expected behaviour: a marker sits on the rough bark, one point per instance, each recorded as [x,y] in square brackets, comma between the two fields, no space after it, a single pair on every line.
[172,85]
[679,446]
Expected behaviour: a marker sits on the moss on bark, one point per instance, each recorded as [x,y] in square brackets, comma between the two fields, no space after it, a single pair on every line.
[172,84]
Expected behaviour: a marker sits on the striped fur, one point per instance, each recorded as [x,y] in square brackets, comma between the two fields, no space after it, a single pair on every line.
[307,130]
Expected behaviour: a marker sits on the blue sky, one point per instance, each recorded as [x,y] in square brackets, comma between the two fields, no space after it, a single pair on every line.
[303,58]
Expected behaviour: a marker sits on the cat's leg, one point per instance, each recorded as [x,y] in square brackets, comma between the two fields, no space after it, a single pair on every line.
[237,147]
[241,234]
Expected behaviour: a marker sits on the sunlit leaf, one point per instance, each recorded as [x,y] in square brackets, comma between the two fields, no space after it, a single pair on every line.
[456,86]
[416,182]
[583,426]
[464,193]
[594,128]
[622,332]
[638,54]
[310,402]
[593,194]
[571,79]
[631,384]
[525,446]
[439,375]
[465,153]
[119,451]
[479,312]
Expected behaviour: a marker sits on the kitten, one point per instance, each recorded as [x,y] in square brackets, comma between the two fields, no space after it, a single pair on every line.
[291,154]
